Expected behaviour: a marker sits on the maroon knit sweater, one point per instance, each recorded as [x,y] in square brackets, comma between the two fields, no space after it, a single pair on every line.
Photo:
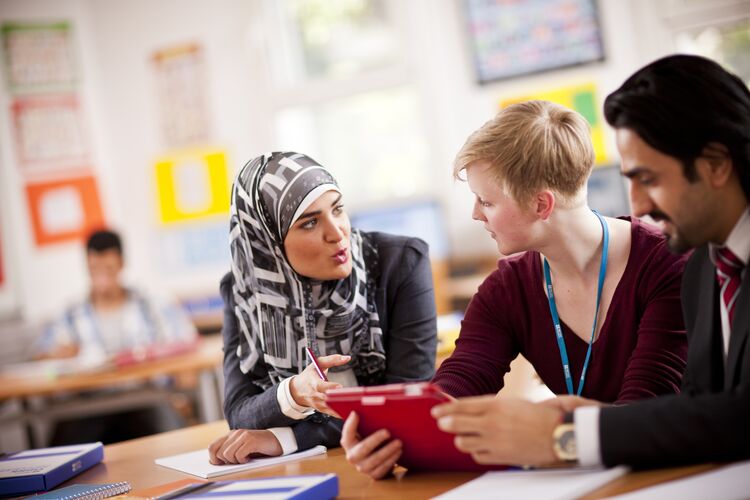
[641,348]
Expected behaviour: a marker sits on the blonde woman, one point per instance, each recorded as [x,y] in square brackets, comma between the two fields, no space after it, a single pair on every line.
[592,302]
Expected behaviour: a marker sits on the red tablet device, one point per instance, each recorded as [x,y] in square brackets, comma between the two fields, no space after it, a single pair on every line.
[404,409]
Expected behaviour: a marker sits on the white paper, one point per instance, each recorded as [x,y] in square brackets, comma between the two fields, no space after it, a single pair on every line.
[196,462]
[728,483]
[545,484]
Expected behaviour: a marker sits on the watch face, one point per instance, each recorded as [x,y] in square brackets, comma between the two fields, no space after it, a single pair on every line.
[565,442]
[568,442]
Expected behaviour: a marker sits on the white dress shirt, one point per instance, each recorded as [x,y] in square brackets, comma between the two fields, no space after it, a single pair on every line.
[291,409]
[739,243]
[586,419]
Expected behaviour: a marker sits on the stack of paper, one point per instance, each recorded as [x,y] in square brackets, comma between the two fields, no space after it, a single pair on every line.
[728,483]
[197,464]
[544,484]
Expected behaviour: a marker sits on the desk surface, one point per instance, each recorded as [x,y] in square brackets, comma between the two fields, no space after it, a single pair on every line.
[207,356]
[133,461]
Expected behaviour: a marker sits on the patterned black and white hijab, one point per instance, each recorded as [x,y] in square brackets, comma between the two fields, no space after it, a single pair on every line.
[280,312]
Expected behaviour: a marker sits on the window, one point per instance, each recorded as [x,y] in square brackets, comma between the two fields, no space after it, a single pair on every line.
[344,94]
[728,44]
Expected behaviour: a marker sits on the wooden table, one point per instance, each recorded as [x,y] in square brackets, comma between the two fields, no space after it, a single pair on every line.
[37,408]
[133,461]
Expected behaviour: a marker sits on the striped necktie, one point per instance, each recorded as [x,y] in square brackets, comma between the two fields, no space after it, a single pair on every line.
[728,274]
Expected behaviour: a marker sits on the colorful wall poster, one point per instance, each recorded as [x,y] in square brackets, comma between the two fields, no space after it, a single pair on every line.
[49,131]
[38,56]
[180,73]
[192,185]
[582,98]
[518,37]
[65,209]
[194,246]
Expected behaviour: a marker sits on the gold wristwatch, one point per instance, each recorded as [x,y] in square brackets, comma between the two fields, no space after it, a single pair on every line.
[564,439]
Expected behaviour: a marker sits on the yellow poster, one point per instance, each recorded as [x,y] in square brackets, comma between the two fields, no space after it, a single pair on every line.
[192,185]
[582,98]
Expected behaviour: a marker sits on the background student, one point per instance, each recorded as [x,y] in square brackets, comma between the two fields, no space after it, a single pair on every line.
[111,319]
[608,285]
[683,132]
[302,277]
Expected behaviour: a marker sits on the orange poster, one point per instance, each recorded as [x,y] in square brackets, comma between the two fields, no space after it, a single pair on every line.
[64,210]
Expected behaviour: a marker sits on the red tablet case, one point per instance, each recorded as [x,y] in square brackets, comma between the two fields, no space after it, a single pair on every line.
[404,409]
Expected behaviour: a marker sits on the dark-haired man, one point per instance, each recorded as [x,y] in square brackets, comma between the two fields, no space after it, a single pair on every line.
[683,132]
[110,320]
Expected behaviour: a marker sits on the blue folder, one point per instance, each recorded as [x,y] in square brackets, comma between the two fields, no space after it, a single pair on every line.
[42,469]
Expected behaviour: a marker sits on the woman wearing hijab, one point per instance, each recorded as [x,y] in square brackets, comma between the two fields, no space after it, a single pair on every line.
[301,277]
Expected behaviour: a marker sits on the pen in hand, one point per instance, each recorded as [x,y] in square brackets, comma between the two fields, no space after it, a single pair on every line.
[314,361]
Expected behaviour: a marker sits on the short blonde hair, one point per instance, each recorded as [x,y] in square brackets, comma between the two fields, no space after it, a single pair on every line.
[531,146]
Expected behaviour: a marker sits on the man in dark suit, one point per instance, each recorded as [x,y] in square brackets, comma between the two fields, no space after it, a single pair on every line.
[683,132]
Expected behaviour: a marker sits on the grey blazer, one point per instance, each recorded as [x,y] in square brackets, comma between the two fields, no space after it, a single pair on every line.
[405,301]
[709,420]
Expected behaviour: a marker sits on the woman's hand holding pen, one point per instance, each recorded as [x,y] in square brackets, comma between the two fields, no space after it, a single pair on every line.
[308,389]
[237,446]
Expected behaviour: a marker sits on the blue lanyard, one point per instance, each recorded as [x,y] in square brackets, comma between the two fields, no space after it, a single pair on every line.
[556,317]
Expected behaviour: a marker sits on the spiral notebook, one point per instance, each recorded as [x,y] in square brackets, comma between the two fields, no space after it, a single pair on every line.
[86,491]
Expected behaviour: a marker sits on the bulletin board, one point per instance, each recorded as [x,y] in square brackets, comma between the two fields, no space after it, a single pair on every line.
[38,56]
[582,98]
[192,186]
[511,38]
[64,209]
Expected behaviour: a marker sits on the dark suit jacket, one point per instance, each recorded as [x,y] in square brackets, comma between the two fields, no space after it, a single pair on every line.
[710,419]
[405,301]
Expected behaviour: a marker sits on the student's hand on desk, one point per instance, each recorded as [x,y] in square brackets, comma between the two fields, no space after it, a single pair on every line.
[308,389]
[237,446]
[501,431]
[373,455]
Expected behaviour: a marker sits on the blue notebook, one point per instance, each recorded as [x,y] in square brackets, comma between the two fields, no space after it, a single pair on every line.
[85,491]
[312,487]
[42,469]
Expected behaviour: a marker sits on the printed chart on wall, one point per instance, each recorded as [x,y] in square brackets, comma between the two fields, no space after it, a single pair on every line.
[582,98]
[49,132]
[180,73]
[38,56]
[64,209]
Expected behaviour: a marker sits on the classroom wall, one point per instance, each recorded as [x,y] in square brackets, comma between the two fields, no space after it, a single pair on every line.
[114,40]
